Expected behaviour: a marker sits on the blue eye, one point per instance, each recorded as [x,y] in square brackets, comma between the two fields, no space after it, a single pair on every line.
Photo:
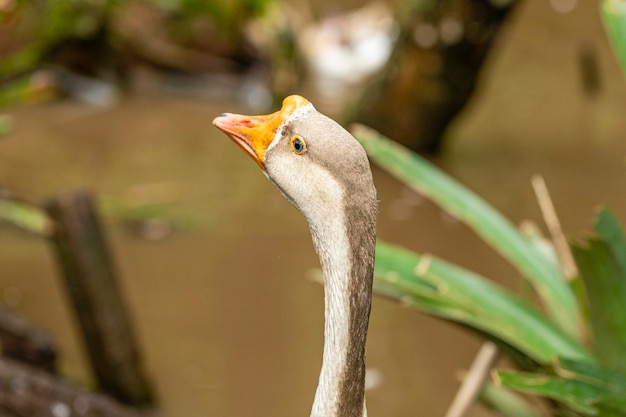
[297,145]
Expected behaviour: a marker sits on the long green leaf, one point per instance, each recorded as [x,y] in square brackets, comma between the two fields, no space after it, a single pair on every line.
[614,18]
[576,395]
[609,380]
[609,228]
[578,392]
[602,264]
[453,293]
[505,402]
[25,216]
[557,296]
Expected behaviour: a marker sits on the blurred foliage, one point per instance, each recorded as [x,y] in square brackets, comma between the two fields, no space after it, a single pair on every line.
[53,21]
[602,263]
[24,216]
[40,25]
[229,15]
[100,38]
[6,125]
[614,17]
[583,388]
[573,358]
[506,402]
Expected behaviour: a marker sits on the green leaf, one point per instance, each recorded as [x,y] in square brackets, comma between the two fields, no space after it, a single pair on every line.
[609,228]
[614,18]
[546,278]
[582,386]
[456,294]
[505,402]
[576,395]
[601,261]
[25,216]
[594,374]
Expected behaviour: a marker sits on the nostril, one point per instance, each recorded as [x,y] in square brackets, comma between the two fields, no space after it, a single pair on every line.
[223,115]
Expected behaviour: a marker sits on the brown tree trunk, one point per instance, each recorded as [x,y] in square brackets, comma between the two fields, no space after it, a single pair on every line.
[433,71]
[90,278]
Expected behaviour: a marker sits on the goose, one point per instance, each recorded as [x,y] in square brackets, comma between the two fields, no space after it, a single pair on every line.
[323,171]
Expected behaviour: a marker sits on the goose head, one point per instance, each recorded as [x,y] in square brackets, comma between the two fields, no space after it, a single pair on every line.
[312,160]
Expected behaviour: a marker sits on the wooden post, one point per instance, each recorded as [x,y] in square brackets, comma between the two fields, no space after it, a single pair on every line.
[91,282]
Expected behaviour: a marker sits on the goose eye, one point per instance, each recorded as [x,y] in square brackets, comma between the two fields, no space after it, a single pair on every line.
[297,145]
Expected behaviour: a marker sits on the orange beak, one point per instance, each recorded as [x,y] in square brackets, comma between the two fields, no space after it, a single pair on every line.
[254,134]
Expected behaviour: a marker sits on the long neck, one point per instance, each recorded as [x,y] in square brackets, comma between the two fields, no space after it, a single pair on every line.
[345,244]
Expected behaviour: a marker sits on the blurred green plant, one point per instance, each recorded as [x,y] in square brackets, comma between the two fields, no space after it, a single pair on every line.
[51,22]
[101,38]
[6,125]
[572,358]
[228,15]
[614,18]
[25,216]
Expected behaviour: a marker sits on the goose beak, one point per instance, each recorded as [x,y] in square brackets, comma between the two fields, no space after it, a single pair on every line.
[254,134]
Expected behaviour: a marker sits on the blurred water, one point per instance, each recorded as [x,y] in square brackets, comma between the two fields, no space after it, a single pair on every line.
[228,320]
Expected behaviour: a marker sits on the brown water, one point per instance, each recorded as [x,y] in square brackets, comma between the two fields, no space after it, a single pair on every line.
[228,320]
